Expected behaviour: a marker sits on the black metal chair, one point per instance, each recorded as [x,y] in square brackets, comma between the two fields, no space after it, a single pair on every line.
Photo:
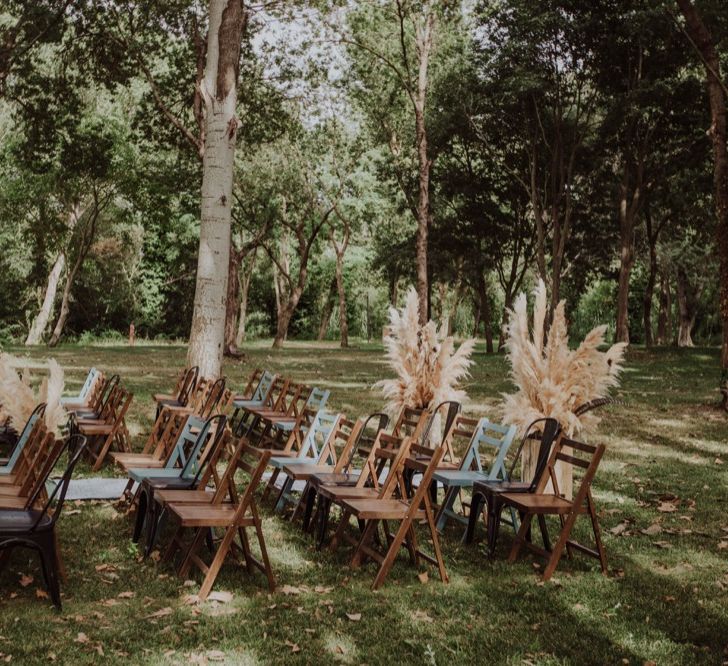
[36,528]
[149,512]
[547,431]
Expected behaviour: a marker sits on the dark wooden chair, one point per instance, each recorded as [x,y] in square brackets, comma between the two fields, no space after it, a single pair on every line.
[183,390]
[547,501]
[36,528]
[20,439]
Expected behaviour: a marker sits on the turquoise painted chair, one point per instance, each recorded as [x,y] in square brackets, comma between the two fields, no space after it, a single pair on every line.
[83,394]
[9,465]
[189,454]
[315,402]
[485,434]
[259,395]
[316,450]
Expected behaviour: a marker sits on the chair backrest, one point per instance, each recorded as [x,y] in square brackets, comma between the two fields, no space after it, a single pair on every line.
[213,395]
[546,431]
[210,438]
[264,386]
[317,429]
[577,454]
[342,441]
[356,455]
[411,422]
[105,394]
[253,462]
[423,459]
[192,442]
[295,399]
[451,408]
[489,435]
[46,449]
[317,399]
[58,495]
[55,447]
[22,440]
[189,381]
[88,384]
[30,452]
[276,397]
[252,385]
[386,455]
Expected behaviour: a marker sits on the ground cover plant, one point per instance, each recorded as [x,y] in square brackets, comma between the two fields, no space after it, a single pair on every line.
[661,491]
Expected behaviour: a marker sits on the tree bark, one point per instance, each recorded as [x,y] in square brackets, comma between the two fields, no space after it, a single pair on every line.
[245,280]
[664,318]
[652,235]
[485,312]
[343,321]
[327,311]
[40,323]
[703,40]
[629,205]
[686,302]
[227,21]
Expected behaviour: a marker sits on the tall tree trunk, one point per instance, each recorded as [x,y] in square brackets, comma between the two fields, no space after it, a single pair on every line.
[686,309]
[227,20]
[327,311]
[703,41]
[393,289]
[65,302]
[652,235]
[664,317]
[40,323]
[285,315]
[507,305]
[476,315]
[485,312]
[245,279]
[343,321]
[232,302]
[627,213]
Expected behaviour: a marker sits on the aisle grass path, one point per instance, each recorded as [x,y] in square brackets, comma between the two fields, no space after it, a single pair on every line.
[665,600]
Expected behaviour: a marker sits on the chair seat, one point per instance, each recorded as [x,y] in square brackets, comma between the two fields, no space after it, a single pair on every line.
[289,457]
[164,397]
[339,493]
[199,515]
[15,521]
[7,479]
[381,509]
[9,491]
[490,487]
[124,459]
[335,479]
[248,404]
[304,470]
[532,503]
[170,496]
[94,428]
[458,477]
[165,482]
[141,473]
[12,502]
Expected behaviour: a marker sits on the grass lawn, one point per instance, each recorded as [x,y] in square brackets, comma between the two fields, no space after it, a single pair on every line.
[665,600]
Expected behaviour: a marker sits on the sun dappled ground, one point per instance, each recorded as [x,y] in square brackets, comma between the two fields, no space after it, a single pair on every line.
[662,493]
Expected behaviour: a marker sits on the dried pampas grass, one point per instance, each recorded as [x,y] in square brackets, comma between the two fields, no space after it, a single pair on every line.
[552,379]
[428,368]
[17,399]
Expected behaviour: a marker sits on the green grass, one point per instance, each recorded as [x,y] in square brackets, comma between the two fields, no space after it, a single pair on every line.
[665,600]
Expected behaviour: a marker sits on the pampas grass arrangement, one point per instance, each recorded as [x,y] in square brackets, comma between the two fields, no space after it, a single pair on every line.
[17,399]
[552,379]
[427,366]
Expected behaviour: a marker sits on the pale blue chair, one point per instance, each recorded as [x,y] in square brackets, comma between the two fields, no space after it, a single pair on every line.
[315,402]
[85,391]
[485,434]
[9,465]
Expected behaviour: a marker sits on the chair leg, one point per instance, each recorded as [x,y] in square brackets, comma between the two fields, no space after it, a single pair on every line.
[451,494]
[341,528]
[476,504]
[389,558]
[436,544]
[520,537]
[270,486]
[217,563]
[141,516]
[367,536]
[544,532]
[263,550]
[495,509]
[154,522]
[597,533]
[49,562]
[280,504]
[308,509]
[559,547]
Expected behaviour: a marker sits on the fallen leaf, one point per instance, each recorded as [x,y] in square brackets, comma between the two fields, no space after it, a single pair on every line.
[25,580]
[652,530]
[322,590]
[221,597]
[294,647]
[718,461]
[620,528]
[41,594]
[189,583]
[81,638]
[666,507]
[162,612]
[125,595]
[192,599]
[354,617]
[290,589]
[722,545]
[421,616]
[216,655]
[424,577]
[662,544]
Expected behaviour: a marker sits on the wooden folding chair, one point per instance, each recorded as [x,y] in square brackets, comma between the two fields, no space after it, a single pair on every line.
[270,395]
[7,465]
[386,508]
[411,423]
[108,430]
[355,442]
[185,388]
[42,446]
[546,502]
[83,400]
[231,521]
[380,475]
[99,401]
[482,434]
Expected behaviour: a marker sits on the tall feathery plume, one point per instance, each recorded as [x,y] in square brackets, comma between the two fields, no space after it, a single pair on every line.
[427,367]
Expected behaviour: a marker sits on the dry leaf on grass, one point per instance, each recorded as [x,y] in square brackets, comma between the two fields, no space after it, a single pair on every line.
[619,529]
[25,580]
[294,647]
[41,594]
[125,595]
[216,655]
[652,530]
[220,597]
[290,589]
[666,507]
[81,638]
[424,577]
[354,617]
[162,612]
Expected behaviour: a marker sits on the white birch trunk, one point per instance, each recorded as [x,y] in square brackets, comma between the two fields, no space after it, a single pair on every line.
[40,323]
[219,92]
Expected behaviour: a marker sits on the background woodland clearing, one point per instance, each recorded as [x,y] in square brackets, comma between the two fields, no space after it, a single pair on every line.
[666,599]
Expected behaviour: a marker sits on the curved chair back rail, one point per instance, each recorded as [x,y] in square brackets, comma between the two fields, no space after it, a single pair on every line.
[547,430]
[188,385]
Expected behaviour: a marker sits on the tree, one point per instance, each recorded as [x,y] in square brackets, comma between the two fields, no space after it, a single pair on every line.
[218,88]
[702,39]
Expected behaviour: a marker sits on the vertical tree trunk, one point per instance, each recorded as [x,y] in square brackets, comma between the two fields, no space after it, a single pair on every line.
[40,323]
[626,263]
[227,20]
[703,40]
[65,301]
[686,308]
[343,321]
[328,309]
[232,302]
[485,312]
[393,289]
[664,317]
[245,279]
[285,315]
[507,305]
[652,235]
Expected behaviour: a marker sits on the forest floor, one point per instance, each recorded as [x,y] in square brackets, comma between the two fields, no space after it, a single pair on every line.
[661,491]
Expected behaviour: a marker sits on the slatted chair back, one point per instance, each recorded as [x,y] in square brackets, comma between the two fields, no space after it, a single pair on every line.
[210,439]
[411,422]
[317,399]
[316,433]
[546,432]
[294,400]
[187,439]
[187,385]
[105,394]
[28,453]
[276,399]
[356,456]
[213,396]
[252,386]
[450,410]
[118,433]
[495,436]
[35,487]
[582,457]
[258,388]
[341,442]
[383,469]
[47,449]
[36,414]
[84,395]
